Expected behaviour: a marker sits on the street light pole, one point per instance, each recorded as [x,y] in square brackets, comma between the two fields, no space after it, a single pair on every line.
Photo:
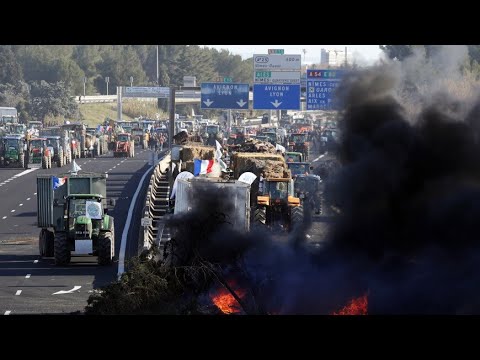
[84,86]
[131,81]
[107,79]
[158,80]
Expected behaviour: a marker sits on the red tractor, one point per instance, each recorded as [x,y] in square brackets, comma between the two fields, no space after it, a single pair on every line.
[124,146]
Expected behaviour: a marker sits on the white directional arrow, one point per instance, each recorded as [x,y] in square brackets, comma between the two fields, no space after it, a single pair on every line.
[241,103]
[276,103]
[208,102]
[75,288]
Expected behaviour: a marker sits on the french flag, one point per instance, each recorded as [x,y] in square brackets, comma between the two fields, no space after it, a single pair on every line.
[202,167]
[57,182]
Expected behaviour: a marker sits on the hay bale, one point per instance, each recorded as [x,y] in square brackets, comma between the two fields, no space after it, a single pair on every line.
[254,145]
[201,152]
[272,165]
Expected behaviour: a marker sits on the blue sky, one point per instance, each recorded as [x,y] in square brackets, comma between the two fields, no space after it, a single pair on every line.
[363,53]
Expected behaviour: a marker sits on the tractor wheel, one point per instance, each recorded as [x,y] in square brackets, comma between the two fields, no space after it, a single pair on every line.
[60,158]
[104,249]
[260,215]
[21,159]
[296,215]
[49,243]
[42,243]
[61,249]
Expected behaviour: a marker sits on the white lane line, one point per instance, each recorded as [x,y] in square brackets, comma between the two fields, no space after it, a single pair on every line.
[34,193]
[13,210]
[75,288]
[26,172]
[28,199]
[114,167]
[28,276]
[8,180]
[18,292]
[110,169]
[7,312]
[4,217]
[126,228]
[118,164]
[35,261]
[20,205]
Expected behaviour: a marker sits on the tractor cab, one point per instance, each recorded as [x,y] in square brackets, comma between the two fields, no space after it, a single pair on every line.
[299,168]
[85,213]
[12,150]
[293,156]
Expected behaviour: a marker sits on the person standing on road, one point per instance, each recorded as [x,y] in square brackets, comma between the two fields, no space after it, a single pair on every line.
[162,141]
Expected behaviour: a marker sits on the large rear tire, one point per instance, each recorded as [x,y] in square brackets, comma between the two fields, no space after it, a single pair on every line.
[260,215]
[60,158]
[41,243]
[105,244]
[61,249]
[296,215]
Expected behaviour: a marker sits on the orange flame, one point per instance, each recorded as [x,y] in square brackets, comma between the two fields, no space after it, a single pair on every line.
[356,306]
[225,301]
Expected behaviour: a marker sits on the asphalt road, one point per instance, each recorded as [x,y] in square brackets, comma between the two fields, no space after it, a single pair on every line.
[28,283]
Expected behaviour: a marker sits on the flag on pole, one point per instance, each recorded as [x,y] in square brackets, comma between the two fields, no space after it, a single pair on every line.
[57,182]
[202,167]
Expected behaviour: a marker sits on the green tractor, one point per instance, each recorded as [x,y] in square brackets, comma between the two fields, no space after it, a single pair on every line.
[73,221]
[12,151]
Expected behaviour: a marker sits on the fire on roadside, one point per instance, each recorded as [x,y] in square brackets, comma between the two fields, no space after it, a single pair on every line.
[226,302]
[356,306]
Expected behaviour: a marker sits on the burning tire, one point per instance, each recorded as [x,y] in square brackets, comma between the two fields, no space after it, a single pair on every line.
[260,216]
[105,247]
[61,249]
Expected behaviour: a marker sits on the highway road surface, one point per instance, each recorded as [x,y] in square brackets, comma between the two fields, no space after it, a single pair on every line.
[33,285]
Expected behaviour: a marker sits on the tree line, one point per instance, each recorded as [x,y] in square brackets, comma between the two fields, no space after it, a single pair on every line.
[40,80]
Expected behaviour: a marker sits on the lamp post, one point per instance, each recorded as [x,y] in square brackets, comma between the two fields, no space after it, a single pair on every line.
[84,86]
[107,79]
[131,81]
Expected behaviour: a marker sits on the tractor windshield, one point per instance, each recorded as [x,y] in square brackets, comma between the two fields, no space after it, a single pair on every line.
[122,138]
[277,189]
[298,138]
[11,143]
[298,169]
[85,207]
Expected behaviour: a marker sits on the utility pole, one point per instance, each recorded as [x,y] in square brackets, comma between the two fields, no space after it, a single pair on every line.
[84,86]
[158,79]
[107,79]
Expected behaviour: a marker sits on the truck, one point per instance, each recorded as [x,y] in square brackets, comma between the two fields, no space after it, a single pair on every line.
[72,214]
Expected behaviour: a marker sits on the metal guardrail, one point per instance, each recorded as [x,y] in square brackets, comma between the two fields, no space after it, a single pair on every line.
[156,206]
